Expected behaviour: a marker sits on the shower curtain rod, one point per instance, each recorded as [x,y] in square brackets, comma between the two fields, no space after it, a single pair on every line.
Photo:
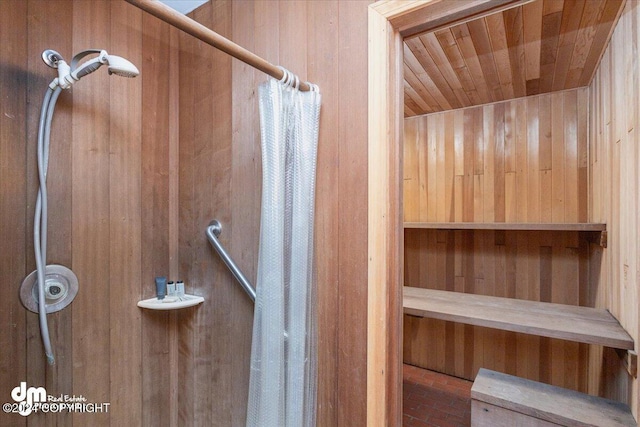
[189,26]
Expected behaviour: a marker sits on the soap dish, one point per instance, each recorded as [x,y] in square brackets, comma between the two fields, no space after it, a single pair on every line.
[170,303]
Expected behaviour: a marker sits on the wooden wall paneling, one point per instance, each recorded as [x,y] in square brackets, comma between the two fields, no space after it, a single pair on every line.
[189,61]
[324,71]
[512,264]
[125,112]
[57,378]
[90,216]
[352,220]
[489,161]
[155,198]
[411,180]
[174,212]
[245,194]
[202,271]
[515,161]
[582,135]
[499,163]
[447,169]
[557,158]
[431,176]
[515,145]
[613,111]
[571,157]
[522,165]
[533,164]
[13,193]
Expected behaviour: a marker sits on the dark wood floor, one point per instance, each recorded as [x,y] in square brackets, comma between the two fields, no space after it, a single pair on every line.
[435,400]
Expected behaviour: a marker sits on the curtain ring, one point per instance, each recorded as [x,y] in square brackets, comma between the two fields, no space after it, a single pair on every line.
[296,82]
[285,75]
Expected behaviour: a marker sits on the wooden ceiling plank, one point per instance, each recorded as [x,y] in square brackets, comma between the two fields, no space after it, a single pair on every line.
[552,6]
[423,84]
[539,46]
[515,40]
[606,25]
[532,17]
[500,48]
[497,82]
[410,106]
[584,39]
[571,17]
[438,14]
[433,47]
[408,112]
[468,52]
[450,46]
[423,57]
[549,49]
[422,105]
[550,37]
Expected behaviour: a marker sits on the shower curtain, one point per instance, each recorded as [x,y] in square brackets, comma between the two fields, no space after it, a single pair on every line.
[282,387]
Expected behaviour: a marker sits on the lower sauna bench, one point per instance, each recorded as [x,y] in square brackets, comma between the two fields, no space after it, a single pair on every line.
[501,400]
[574,323]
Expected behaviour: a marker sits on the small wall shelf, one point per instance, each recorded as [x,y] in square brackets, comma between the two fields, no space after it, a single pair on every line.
[170,303]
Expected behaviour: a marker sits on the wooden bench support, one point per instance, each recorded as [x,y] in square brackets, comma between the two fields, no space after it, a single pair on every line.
[568,322]
[500,400]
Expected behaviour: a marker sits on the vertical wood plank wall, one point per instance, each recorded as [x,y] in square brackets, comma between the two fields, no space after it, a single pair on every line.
[523,160]
[517,161]
[614,166]
[138,169]
[309,38]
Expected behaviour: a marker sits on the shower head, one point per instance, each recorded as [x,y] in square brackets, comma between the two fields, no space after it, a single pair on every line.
[121,67]
[68,75]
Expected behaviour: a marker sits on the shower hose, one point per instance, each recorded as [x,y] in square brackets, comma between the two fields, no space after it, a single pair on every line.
[40,217]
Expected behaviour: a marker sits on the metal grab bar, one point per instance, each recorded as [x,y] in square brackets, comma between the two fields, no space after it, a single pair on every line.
[213,231]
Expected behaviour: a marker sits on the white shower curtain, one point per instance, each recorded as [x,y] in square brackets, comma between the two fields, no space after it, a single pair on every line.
[282,388]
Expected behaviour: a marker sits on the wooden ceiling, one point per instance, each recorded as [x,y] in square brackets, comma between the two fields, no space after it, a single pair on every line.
[538,47]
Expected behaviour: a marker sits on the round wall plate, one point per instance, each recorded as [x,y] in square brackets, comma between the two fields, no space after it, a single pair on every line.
[61,287]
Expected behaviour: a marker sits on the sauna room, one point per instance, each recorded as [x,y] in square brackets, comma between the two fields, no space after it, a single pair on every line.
[469,233]
[520,216]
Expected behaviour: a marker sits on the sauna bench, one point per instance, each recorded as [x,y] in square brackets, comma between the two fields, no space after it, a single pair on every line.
[519,226]
[568,322]
[500,400]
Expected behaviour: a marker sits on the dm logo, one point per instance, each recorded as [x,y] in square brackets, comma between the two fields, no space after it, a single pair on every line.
[27,397]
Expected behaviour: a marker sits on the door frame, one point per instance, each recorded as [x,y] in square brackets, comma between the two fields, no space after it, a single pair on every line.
[390,21]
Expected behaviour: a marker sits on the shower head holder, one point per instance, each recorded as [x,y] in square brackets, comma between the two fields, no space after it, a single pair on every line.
[69,74]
